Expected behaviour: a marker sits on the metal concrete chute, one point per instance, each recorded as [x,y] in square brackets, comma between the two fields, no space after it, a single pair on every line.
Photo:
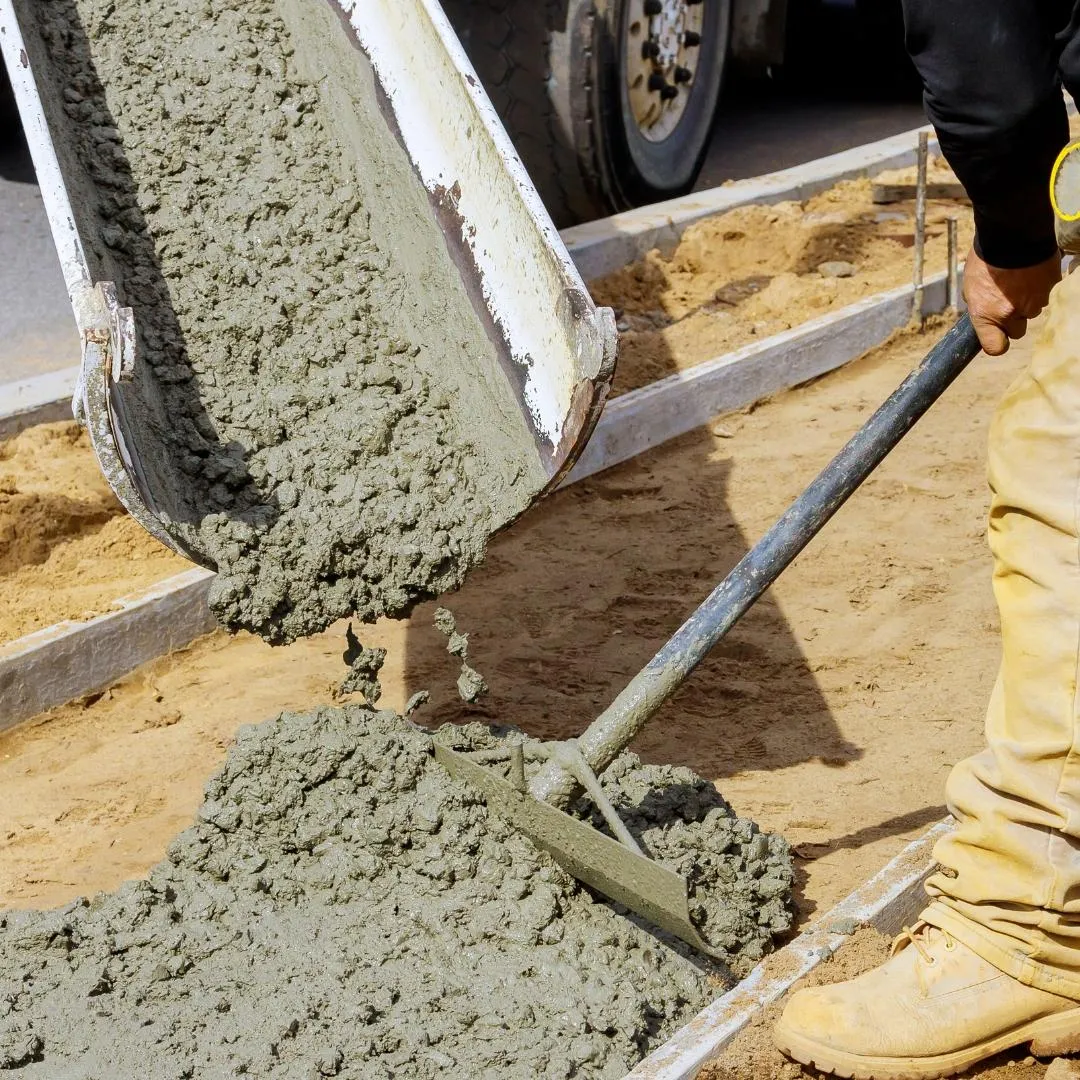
[559,344]
[106,328]
[404,98]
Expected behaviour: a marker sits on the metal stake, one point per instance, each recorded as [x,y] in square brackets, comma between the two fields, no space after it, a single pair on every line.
[952,282]
[920,226]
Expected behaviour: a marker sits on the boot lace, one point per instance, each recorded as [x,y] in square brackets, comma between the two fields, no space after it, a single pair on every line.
[917,936]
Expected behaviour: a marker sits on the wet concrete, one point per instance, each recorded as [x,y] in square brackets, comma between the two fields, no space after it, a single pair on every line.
[318,408]
[739,879]
[343,907]
[364,666]
[471,684]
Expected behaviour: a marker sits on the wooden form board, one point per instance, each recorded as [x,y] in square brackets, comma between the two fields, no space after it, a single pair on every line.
[891,193]
[36,401]
[68,660]
[642,419]
[891,899]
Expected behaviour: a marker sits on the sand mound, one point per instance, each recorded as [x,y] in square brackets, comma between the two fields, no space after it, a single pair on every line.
[67,549]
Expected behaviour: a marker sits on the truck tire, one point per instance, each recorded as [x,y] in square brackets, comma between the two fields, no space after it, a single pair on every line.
[655,144]
[560,75]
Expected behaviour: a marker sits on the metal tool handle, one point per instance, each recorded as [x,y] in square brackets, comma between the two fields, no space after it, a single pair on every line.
[614,728]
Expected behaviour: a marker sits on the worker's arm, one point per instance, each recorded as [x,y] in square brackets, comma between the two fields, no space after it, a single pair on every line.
[989,70]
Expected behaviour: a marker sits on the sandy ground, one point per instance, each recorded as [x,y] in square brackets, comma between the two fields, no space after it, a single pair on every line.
[752,1056]
[744,275]
[831,713]
[754,271]
[67,550]
[937,172]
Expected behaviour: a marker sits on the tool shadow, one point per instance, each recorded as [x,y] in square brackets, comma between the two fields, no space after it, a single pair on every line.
[577,596]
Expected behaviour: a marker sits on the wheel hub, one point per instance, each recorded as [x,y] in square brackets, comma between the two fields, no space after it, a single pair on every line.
[661,46]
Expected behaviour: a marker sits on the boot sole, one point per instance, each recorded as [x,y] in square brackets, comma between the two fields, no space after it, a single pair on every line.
[1052,1035]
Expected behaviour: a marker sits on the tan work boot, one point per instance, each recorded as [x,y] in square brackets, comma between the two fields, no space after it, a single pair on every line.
[933,1009]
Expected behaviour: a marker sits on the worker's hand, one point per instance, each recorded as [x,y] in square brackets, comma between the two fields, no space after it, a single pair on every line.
[1000,302]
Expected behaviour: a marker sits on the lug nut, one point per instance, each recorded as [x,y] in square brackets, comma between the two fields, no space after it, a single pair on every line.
[668,92]
[653,7]
[683,75]
[650,50]
[691,39]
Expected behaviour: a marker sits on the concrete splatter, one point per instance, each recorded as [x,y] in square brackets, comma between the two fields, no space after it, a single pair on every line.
[470,684]
[364,667]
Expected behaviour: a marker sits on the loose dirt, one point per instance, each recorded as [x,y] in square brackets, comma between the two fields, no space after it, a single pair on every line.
[752,1056]
[67,549]
[937,172]
[831,714]
[738,277]
[741,276]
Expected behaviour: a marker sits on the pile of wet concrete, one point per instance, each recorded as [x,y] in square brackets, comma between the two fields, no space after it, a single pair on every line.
[343,907]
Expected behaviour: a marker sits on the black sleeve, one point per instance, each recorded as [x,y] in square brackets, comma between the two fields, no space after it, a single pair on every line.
[992,92]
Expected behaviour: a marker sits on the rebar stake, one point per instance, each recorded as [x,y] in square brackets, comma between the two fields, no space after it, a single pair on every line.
[952,282]
[920,227]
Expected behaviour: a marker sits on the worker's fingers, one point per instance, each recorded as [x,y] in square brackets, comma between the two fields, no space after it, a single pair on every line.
[1032,308]
[1015,327]
[1002,301]
[992,338]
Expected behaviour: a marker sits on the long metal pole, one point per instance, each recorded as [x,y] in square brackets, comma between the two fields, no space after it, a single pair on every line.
[614,729]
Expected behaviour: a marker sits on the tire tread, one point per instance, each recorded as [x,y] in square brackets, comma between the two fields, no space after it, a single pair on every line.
[521,51]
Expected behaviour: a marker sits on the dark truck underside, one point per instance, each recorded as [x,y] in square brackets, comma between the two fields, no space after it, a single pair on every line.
[611,103]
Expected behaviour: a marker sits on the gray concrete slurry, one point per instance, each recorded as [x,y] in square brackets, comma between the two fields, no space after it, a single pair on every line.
[342,907]
[319,409]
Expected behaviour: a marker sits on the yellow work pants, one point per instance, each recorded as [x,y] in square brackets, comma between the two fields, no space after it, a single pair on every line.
[1010,884]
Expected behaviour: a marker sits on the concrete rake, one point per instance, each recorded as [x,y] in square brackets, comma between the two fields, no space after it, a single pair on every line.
[618,868]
